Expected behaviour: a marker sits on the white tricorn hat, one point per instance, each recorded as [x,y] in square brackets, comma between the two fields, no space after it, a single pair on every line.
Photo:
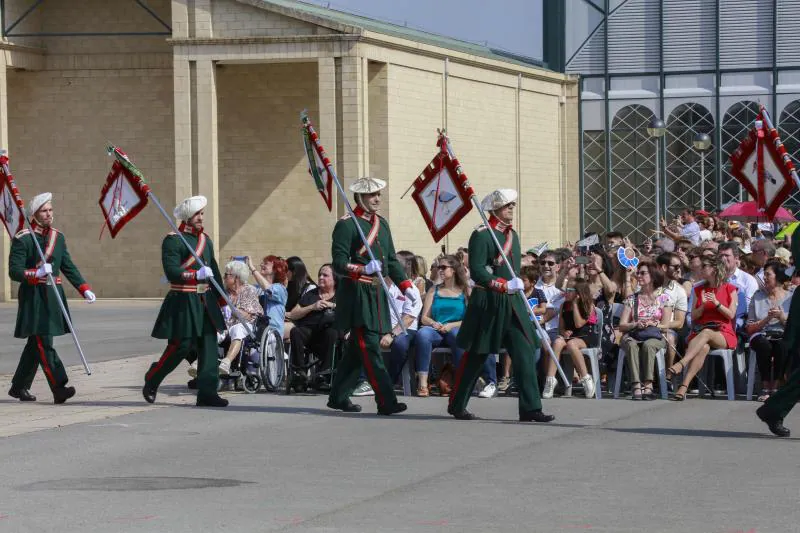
[37,203]
[497,199]
[189,207]
[367,185]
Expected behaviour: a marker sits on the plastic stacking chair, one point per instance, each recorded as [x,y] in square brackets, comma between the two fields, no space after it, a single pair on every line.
[727,361]
[660,368]
[751,374]
[593,355]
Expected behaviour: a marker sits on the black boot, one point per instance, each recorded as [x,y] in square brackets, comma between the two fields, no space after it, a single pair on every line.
[461,415]
[348,407]
[192,384]
[396,408]
[62,394]
[535,416]
[149,393]
[211,401]
[22,395]
[774,423]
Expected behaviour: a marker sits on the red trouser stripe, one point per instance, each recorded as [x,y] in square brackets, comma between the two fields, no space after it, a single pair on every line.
[368,365]
[171,349]
[459,374]
[47,370]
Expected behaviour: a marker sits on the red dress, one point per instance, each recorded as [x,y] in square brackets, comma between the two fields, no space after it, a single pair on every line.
[724,295]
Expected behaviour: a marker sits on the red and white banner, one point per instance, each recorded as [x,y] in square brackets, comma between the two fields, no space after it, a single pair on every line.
[442,192]
[318,163]
[12,209]
[763,167]
[124,193]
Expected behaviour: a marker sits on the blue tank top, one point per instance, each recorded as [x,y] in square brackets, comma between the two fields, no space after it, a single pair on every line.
[446,309]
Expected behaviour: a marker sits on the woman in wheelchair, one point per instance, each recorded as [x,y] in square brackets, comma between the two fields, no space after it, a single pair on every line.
[313,318]
[272,277]
[245,298]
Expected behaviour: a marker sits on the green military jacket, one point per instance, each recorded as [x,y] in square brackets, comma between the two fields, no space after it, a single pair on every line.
[360,300]
[38,312]
[490,307]
[185,307]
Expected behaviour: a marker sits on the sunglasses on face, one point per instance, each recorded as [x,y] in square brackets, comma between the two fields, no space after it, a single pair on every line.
[443,267]
[570,289]
[548,263]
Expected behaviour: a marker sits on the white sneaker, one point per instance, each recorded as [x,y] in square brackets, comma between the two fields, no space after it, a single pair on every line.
[588,386]
[224,367]
[363,389]
[489,391]
[549,387]
[192,370]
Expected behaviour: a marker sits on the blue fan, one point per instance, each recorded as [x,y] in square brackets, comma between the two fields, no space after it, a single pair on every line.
[627,257]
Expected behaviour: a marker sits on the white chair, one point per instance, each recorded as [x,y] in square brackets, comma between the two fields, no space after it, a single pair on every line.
[593,355]
[727,362]
[660,368]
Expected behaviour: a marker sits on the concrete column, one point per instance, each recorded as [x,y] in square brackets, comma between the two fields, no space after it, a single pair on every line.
[183,130]
[352,140]
[202,19]
[326,122]
[180,19]
[5,281]
[207,146]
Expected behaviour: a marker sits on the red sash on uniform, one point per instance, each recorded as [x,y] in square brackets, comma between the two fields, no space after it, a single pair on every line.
[495,223]
[373,232]
[52,238]
[201,244]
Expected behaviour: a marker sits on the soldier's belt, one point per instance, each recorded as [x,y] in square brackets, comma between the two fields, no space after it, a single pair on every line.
[200,288]
[369,280]
[46,281]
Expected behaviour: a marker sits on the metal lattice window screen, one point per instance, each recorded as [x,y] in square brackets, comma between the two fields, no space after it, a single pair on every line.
[789,129]
[683,161]
[633,168]
[737,122]
[594,181]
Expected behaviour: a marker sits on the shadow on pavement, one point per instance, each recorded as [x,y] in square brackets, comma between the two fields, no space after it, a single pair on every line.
[688,432]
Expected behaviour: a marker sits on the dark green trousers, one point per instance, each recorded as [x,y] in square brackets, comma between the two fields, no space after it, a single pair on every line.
[179,349]
[39,351]
[363,350]
[787,396]
[523,359]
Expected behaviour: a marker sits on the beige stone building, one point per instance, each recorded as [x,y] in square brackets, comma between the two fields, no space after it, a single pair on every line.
[205,96]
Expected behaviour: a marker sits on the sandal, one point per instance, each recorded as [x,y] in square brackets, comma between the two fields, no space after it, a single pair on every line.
[677,397]
[647,392]
[636,392]
[671,372]
[423,392]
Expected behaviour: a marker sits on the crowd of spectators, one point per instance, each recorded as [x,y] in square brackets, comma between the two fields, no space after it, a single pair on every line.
[699,284]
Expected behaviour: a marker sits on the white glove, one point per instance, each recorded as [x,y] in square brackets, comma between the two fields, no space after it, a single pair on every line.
[372,267]
[89,297]
[515,285]
[226,312]
[412,293]
[205,273]
[44,270]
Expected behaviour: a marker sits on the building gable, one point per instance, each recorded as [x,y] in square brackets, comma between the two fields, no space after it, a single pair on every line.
[248,18]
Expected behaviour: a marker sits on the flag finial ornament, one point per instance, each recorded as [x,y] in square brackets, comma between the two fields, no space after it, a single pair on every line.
[189,207]
[367,185]
[497,199]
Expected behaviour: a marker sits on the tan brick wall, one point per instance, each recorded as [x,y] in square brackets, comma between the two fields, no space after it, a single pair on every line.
[268,202]
[234,19]
[59,123]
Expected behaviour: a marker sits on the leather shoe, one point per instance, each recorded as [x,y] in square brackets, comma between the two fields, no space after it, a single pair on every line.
[62,394]
[774,423]
[396,408]
[461,415]
[149,393]
[535,416]
[347,407]
[22,395]
[211,401]
[192,384]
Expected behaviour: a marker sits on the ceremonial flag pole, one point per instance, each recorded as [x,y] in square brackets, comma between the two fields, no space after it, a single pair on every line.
[314,138]
[50,278]
[124,216]
[539,330]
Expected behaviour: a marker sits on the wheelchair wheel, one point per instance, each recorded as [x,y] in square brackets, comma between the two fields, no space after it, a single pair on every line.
[251,383]
[272,364]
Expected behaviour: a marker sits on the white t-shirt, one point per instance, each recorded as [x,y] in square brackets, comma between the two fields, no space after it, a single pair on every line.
[677,296]
[555,297]
[405,306]
[706,235]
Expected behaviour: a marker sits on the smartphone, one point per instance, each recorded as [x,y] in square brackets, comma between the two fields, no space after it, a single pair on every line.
[582,260]
[242,258]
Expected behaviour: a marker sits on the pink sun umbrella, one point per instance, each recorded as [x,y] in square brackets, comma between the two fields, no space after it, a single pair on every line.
[749,212]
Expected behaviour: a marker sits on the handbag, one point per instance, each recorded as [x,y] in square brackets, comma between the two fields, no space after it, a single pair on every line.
[643,334]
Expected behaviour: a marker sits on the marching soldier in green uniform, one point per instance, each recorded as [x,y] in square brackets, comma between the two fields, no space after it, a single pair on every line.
[496,315]
[781,403]
[39,316]
[361,305]
[190,316]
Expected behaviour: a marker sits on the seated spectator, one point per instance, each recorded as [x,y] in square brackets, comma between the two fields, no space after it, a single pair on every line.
[577,330]
[706,224]
[442,312]
[272,279]
[299,284]
[748,264]
[644,318]
[687,228]
[761,251]
[423,271]
[412,269]
[313,318]
[604,291]
[766,320]
[713,315]
[676,292]
[614,240]
[395,341]
[244,298]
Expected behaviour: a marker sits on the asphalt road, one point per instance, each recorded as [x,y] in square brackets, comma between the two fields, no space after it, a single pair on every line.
[107,330]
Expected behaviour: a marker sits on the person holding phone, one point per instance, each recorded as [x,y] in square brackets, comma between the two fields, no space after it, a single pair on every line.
[713,315]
